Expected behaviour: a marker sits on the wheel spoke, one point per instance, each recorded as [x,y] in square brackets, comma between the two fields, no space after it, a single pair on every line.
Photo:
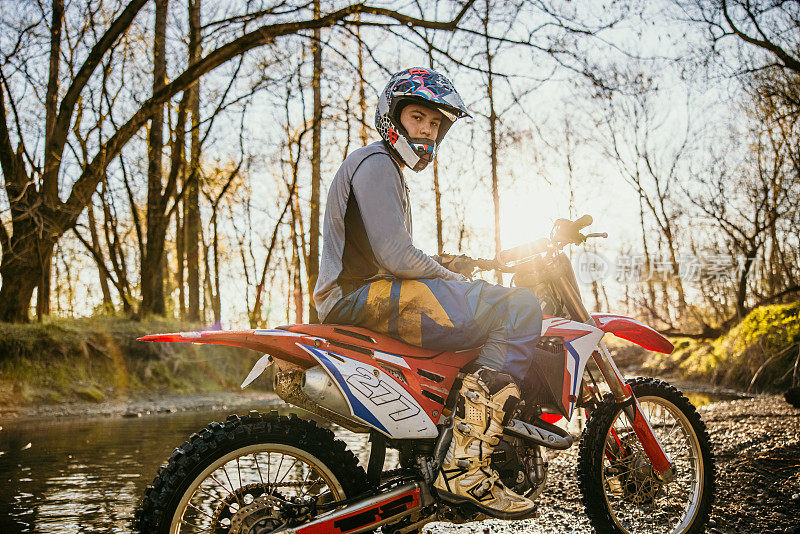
[231,483]
[636,499]
[221,484]
[200,510]
[258,468]
[196,527]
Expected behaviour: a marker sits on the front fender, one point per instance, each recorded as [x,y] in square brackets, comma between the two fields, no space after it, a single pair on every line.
[633,330]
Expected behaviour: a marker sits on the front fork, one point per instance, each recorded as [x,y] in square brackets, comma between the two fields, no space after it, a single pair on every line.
[564,280]
[662,464]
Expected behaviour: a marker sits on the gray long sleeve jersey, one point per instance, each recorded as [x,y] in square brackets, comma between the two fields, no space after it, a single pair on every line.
[367,229]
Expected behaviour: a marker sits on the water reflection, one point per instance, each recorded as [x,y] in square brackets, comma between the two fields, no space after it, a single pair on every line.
[87,475]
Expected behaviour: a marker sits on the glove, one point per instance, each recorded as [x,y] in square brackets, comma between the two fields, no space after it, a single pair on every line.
[461,264]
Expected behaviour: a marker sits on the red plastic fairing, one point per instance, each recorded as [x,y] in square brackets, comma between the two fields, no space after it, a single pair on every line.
[278,343]
[634,331]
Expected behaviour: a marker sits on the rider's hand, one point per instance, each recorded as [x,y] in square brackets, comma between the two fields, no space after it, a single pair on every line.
[461,264]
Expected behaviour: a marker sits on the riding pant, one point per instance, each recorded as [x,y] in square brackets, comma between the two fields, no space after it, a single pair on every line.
[443,314]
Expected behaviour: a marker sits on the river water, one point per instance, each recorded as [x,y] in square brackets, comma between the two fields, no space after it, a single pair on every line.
[86,475]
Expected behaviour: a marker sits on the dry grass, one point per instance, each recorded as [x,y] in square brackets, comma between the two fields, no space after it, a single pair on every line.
[95,359]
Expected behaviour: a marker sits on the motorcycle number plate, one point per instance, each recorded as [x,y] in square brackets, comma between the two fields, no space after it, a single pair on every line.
[374,397]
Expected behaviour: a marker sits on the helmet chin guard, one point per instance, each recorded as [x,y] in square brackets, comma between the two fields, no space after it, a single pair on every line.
[425,87]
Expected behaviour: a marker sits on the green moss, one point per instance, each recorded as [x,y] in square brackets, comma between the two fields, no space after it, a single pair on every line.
[99,358]
[90,393]
[766,339]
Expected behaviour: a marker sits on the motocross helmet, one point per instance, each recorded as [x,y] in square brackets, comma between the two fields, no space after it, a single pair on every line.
[426,87]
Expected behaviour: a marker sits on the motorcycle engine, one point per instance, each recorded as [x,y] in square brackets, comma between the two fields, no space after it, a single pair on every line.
[520,467]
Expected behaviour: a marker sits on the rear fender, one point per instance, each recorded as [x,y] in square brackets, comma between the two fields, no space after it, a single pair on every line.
[633,331]
[282,345]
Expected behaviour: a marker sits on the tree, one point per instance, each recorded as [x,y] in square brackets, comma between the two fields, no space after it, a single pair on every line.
[764,25]
[192,197]
[316,170]
[152,259]
[38,215]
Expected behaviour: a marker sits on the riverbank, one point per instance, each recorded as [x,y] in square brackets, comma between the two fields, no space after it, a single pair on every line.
[96,365]
[148,404]
[760,354]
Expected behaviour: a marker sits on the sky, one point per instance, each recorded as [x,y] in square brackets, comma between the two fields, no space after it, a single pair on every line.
[535,185]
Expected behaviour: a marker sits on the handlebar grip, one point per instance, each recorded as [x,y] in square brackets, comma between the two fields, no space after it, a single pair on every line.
[523,251]
[583,222]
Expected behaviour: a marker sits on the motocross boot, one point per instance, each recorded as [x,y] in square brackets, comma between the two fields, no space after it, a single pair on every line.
[486,399]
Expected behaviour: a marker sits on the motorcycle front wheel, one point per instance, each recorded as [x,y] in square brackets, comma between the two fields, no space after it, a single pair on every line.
[619,490]
[237,475]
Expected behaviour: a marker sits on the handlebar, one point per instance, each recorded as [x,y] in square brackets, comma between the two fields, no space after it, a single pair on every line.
[564,232]
[523,251]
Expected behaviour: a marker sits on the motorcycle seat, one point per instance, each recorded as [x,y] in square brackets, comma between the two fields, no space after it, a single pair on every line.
[367,339]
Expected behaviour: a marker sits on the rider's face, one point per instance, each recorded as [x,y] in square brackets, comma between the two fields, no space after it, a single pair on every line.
[421,122]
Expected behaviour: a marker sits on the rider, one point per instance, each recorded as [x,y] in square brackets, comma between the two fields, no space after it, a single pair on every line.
[371,275]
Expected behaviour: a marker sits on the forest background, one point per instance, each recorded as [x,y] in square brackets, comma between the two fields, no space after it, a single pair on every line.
[169,159]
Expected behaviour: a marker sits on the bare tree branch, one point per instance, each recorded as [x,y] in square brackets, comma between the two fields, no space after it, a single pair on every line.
[55,144]
[764,43]
[87,182]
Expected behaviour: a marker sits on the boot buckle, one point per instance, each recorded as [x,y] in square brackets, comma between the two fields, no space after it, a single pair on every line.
[472,395]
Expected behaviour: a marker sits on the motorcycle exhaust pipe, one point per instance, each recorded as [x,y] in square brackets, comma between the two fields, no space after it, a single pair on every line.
[310,390]
[369,513]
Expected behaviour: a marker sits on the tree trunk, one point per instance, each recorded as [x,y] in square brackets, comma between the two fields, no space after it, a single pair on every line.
[43,293]
[192,197]
[180,253]
[651,290]
[437,192]
[493,141]
[152,273]
[216,299]
[437,196]
[108,305]
[50,187]
[362,95]
[21,273]
[316,173]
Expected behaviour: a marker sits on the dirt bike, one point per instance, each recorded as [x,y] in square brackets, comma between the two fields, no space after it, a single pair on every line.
[645,462]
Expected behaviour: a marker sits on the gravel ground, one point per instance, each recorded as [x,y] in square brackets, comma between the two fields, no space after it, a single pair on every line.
[756,442]
[757,446]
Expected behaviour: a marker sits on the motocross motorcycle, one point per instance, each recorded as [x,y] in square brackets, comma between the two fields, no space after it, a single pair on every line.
[644,461]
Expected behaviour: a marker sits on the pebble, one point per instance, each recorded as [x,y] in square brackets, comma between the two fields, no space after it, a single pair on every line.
[796,497]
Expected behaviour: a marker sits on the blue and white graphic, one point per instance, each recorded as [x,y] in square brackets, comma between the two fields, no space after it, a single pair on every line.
[375,397]
[579,349]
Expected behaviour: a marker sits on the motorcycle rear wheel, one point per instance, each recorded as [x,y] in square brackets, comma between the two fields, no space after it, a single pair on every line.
[248,464]
[619,491]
